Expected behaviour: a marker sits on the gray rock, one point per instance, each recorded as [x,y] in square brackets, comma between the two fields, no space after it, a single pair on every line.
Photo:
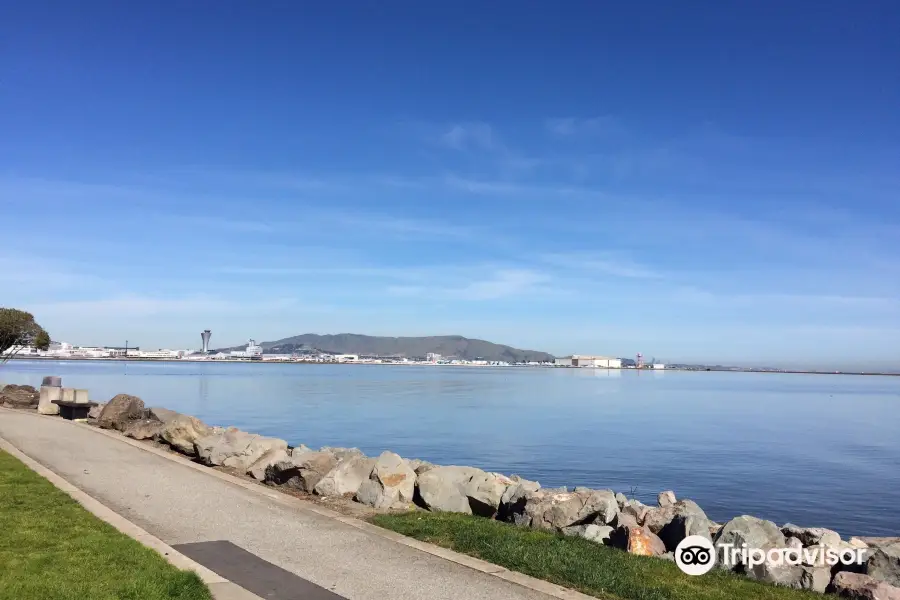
[783,575]
[512,503]
[94,412]
[816,579]
[636,509]
[392,481]
[755,533]
[658,518]
[485,492]
[342,453]
[595,533]
[442,489]
[182,432]
[163,415]
[261,466]
[303,471]
[682,526]
[857,586]
[621,499]
[145,429]
[300,450]
[792,542]
[554,510]
[346,477]
[624,519]
[884,564]
[876,542]
[812,536]
[235,448]
[666,498]
[415,464]
[119,411]
[19,396]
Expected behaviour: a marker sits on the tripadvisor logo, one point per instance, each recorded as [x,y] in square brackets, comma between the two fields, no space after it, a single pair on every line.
[696,555]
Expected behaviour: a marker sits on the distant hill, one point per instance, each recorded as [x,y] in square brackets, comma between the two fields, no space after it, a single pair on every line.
[411,347]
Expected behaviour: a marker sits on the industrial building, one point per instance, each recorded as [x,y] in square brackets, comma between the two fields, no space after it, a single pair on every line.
[583,360]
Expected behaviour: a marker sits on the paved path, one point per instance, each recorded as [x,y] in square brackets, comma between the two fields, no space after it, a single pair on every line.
[181,505]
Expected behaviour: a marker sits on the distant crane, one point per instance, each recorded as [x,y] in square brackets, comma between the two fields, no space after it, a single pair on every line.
[639,361]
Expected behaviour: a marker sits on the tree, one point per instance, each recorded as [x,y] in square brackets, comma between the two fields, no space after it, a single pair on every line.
[18,328]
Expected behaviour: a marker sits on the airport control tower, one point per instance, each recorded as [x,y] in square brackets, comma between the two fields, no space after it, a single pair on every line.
[205,337]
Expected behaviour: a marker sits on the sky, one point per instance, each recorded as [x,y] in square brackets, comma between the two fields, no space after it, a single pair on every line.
[696,181]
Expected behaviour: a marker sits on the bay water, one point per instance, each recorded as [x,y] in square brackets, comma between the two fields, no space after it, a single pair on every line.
[815,450]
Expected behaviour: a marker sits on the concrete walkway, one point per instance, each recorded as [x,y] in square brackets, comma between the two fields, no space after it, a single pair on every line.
[183,505]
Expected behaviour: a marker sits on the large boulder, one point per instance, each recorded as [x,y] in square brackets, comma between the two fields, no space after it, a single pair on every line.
[643,542]
[485,492]
[635,508]
[674,522]
[182,432]
[812,536]
[600,534]
[857,586]
[261,465]
[303,470]
[96,411]
[555,510]
[800,577]
[235,448]
[749,531]
[342,453]
[884,564]
[392,481]
[666,498]
[19,396]
[442,489]
[419,466]
[346,477]
[512,502]
[163,415]
[119,411]
[144,429]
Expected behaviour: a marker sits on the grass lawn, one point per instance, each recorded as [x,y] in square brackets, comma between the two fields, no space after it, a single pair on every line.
[577,563]
[53,549]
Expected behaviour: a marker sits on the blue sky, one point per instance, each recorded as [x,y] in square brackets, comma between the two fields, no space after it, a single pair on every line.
[695,181]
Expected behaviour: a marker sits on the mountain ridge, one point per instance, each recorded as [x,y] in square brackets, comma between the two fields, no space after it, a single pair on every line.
[456,346]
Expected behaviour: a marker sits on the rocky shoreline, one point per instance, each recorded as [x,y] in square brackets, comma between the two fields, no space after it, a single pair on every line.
[390,482]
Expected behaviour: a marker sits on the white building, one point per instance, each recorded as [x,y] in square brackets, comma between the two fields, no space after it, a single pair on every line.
[659,366]
[346,358]
[253,351]
[583,360]
[432,357]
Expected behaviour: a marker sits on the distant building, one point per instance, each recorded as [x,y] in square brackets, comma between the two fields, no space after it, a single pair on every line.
[253,351]
[346,357]
[432,357]
[582,360]
[204,336]
[659,366]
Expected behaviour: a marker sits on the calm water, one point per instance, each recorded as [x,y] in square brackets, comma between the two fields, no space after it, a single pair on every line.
[819,450]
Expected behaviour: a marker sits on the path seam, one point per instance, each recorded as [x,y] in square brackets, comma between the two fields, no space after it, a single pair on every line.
[218,585]
[516,577]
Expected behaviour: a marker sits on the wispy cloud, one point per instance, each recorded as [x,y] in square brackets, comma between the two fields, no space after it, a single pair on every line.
[572,126]
[471,136]
[616,265]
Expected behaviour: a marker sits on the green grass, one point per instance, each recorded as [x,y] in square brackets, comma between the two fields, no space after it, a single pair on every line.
[53,549]
[578,563]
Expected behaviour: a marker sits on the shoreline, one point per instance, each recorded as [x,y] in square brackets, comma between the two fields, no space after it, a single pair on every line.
[389,483]
[425,364]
